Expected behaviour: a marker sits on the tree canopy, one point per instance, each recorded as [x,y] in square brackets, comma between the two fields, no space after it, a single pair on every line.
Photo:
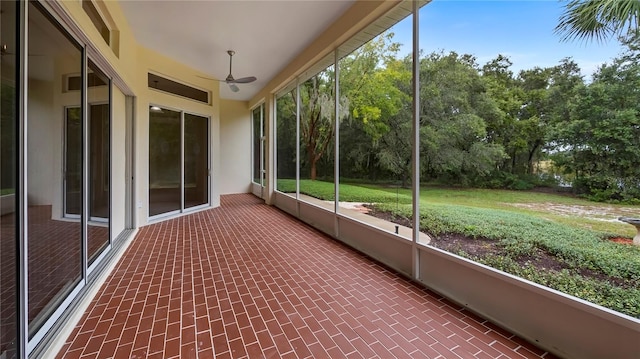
[480,124]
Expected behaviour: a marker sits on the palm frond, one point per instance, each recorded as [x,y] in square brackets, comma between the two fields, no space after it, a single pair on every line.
[598,19]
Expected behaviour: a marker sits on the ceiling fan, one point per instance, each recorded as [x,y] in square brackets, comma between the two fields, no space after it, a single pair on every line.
[232,81]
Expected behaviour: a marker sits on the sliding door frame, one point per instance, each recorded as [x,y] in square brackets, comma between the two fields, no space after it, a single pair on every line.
[183,209]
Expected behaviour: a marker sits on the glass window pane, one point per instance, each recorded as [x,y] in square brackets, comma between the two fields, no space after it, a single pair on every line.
[376,132]
[196,160]
[99,169]
[317,129]
[8,121]
[164,161]
[73,163]
[54,245]
[256,125]
[286,142]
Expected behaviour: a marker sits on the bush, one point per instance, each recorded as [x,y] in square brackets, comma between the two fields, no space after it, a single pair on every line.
[604,188]
[504,180]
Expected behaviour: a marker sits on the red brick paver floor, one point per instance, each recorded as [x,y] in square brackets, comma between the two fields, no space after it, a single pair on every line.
[248,281]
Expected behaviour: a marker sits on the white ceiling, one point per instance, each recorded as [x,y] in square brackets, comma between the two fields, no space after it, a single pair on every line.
[265,34]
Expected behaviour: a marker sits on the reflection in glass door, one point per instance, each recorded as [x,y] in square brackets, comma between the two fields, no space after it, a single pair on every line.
[54,246]
[196,160]
[73,163]
[99,121]
[164,161]
[99,172]
[99,162]
[178,161]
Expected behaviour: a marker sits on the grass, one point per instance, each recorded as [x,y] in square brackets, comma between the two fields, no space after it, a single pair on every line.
[6,191]
[536,202]
[491,214]
[348,192]
[478,198]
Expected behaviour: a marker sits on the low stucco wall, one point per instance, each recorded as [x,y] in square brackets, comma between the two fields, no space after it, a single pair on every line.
[565,325]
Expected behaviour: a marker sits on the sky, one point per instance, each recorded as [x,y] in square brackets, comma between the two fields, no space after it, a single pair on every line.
[523,30]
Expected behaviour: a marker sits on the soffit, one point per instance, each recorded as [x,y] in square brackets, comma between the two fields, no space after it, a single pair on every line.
[266,35]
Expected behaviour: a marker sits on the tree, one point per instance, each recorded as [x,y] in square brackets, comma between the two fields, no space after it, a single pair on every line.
[502,128]
[598,19]
[599,144]
[395,145]
[368,96]
[317,118]
[286,135]
[455,108]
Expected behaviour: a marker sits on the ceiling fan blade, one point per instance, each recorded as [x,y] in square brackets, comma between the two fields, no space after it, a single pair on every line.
[233,87]
[244,80]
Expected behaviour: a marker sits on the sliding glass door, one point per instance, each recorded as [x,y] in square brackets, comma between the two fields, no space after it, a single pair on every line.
[8,174]
[99,172]
[99,153]
[178,161]
[68,171]
[55,173]
[164,161]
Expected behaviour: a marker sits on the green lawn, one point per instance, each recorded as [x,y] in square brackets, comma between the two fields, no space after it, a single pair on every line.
[521,224]
[6,191]
[532,203]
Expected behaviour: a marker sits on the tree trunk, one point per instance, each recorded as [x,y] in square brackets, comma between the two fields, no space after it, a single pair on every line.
[530,159]
[312,162]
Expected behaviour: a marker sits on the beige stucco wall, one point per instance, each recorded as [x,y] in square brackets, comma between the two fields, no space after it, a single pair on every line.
[235,147]
[118,161]
[132,63]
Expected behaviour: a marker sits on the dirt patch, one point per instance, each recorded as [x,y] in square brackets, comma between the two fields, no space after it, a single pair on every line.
[622,240]
[483,247]
[598,213]
[388,216]
[356,206]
